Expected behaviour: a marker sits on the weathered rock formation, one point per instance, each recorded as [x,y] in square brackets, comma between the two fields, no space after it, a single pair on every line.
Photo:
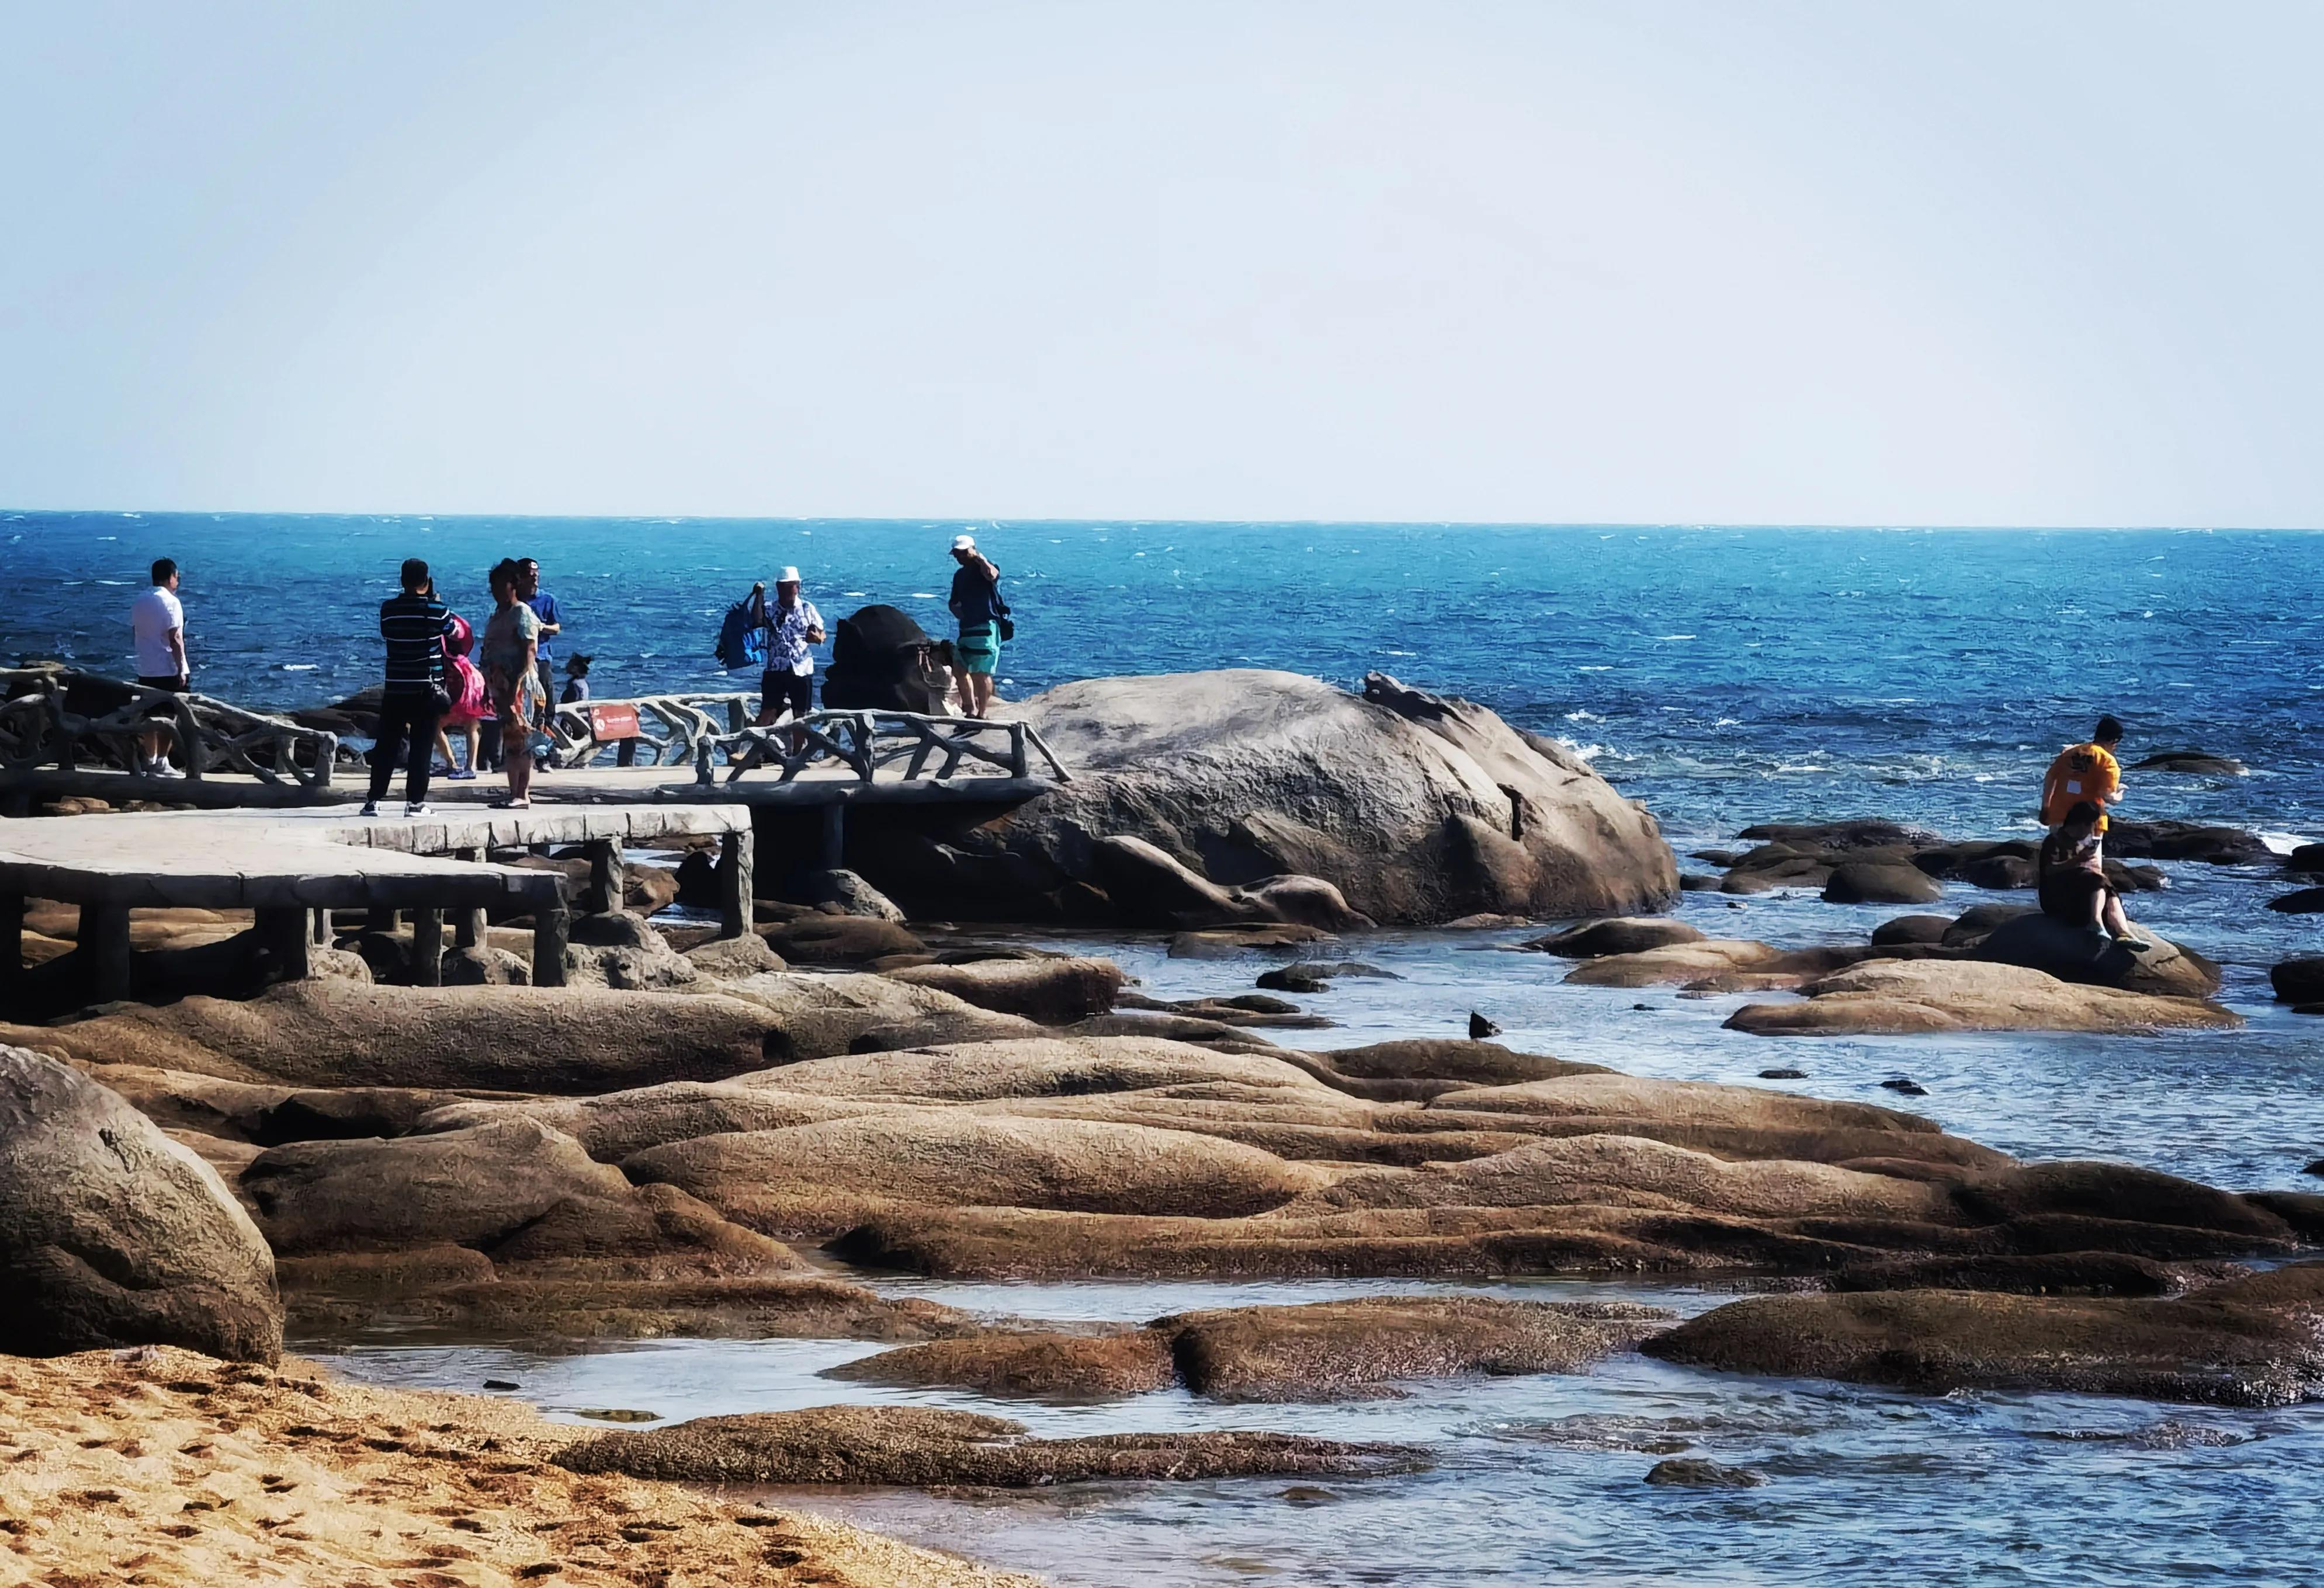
[1891,997]
[1195,796]
[2257,1341]
[111,1234]
[915,1446]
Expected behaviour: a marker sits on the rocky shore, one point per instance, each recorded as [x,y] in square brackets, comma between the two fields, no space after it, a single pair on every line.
[710,1138]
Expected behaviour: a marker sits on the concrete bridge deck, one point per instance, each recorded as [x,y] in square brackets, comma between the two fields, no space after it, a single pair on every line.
[292,868]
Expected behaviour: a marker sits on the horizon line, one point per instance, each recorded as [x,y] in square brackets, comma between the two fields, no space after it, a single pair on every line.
[1127,520]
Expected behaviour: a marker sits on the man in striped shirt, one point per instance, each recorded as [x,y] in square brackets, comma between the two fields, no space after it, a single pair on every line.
[415,625]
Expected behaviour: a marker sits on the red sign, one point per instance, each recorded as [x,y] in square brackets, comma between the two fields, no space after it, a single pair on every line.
[611,722]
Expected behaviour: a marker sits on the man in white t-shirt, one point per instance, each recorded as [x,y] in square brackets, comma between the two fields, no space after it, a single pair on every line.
[159,625]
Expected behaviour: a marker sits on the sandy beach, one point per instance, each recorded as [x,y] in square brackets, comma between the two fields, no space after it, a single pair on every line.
[159,1466]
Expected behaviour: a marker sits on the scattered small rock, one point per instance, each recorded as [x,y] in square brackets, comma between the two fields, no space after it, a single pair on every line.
[501,1384]
[1294,979]
[1693,1472]
[1906,1085]
[1301,1494]
[2308,901]
[1788,1075]
[1480,1028]
[2316,1168]
[615,1414]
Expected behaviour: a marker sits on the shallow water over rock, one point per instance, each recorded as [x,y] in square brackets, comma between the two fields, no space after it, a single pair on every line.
[1539,1479]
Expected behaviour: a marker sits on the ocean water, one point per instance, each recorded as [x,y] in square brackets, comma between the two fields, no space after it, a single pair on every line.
[1723,677]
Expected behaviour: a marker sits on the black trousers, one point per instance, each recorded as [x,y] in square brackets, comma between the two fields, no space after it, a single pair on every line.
[407,730]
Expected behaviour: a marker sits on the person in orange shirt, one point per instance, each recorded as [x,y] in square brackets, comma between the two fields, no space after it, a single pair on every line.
[2084,772]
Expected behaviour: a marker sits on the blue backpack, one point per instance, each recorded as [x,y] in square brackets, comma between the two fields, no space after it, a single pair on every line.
[742,637]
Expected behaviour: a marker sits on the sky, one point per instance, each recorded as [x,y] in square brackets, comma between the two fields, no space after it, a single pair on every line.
[1638,262]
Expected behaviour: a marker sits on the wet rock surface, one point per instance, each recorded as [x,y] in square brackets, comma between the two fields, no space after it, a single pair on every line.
[914,1446]
[1335,1350]
[2252,1342]
[1886,997]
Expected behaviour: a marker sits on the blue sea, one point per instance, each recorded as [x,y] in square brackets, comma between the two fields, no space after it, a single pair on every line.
[1722,675]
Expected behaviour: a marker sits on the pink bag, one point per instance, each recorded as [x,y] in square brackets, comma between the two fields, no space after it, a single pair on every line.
[466,685]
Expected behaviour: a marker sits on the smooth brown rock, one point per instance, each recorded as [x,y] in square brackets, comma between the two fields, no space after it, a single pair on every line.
[1675,965]
[825,1177]
[839,939]
[733,958]
[2068,1273]
[1864,883]
[1883,997]
[1627,934]
[819,1015]
[1051,992]
[520,1039]
[1417,808]
[916,1448]
[111,1234]
[527,1309]
[1911,929]
[1028,1366]
[2210,1346]
[1338,1350]
[613,1125]
[1045,1066]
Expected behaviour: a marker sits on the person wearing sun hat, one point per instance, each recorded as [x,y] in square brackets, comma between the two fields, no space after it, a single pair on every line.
[792,626]
[976,602]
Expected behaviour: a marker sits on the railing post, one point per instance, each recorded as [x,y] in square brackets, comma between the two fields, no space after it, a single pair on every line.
[428,946]
[189,737]
[551,926]
[1017,768]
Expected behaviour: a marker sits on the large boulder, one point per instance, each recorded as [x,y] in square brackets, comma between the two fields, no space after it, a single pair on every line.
[883,660]
[1894,997]
[2186,840]
[1417,808]
[111,1234]
[2081,954]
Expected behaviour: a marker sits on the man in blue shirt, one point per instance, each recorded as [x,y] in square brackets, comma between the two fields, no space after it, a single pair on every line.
[545,608]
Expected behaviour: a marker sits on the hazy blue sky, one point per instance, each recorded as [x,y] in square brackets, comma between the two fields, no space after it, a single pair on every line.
[1805,262]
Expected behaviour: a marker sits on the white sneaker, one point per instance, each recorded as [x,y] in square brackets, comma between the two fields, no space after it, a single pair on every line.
[418,810]
[371,808]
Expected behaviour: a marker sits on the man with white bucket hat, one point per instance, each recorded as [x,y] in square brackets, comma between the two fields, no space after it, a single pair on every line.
[792,626]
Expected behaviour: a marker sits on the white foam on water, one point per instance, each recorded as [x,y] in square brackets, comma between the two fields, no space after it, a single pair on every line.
[2283,843]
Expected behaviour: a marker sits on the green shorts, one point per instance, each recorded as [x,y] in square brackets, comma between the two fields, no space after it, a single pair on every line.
[978,649]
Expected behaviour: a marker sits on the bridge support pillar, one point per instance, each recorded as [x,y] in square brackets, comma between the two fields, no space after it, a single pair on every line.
[428,947]
[105,945]
[468,925]
[550,925]
[736,889]
[284,938]
[16,801]
[835,837]
[606,880]
[383,919]
[320,919]
[12,943]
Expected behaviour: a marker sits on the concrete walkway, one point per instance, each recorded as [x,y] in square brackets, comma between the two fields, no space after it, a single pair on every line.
[293,867]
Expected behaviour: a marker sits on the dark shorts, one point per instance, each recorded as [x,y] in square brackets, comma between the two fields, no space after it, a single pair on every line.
[173,684]
[2066,894]
[787,688]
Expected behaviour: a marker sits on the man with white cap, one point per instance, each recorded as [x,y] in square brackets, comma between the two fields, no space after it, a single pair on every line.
[976,602]
[792,626]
